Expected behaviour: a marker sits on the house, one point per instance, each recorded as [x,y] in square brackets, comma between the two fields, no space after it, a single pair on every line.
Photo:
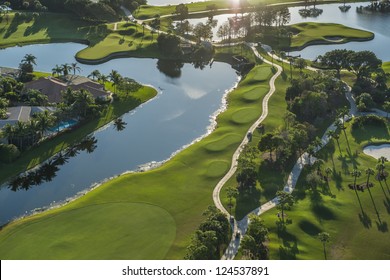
[53,87]
[22,114]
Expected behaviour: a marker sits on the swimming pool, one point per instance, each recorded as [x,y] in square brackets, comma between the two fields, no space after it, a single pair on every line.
[62,125]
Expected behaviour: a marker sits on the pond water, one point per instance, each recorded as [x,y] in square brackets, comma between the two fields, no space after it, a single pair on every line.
[378,151]
[177,116]
[170,2]
[376,23]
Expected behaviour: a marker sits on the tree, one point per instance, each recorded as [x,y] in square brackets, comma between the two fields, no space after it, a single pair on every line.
[45,121]
[386,107]
[285,201]
[266,143]
[324,237]
[95,74]
[369,172]
[29,59]
[381,167]
[169,44]
[182,11]
[301,64]
[75,68]
[57,70]
[115,78]
[231,192]
[66,68]
[128,85]
[253,243]
[336,59]
[363,63]
[202,31]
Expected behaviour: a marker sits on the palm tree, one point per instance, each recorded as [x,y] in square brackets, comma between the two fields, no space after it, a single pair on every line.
[29,59]
[115,78]
[369,172]
[333,134]
[328,171]
[45,120]
[285,201]
[103,79]
[324,237]
[291,60]
[56,70]
[75,68]
[21,130]
[95,74]
[340,125]
[66,68]
[272,57]
[9,132]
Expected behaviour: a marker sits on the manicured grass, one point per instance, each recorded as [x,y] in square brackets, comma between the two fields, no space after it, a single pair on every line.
[99,231]
[337,212]
[183,187]
[48,148]
[127,40]
[309,33]
[48,27]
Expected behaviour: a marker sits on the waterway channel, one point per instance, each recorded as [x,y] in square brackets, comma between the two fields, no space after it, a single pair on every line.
[180,114]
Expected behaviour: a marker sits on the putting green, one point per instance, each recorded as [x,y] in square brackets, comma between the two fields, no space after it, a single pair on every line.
[103,231]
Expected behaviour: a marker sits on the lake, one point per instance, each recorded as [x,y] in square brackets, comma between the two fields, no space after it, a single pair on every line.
[182,112]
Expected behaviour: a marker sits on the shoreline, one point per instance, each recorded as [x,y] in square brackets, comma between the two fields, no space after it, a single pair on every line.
[140,168]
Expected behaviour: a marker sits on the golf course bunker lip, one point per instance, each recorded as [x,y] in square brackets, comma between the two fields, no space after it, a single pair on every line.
[334,38]
[377,151]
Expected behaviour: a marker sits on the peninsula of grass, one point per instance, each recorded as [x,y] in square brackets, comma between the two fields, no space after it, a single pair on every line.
[313,33]
[50,147]
[181,189]
[104,41]
[336,209]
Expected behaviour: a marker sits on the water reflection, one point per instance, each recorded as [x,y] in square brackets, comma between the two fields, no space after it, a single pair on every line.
[119,124]
[47,171]
[171,68]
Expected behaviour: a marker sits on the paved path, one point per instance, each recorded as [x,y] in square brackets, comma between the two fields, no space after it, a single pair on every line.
[242,225]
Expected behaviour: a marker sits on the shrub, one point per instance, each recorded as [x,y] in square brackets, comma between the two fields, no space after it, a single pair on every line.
[368,120]
[8,153]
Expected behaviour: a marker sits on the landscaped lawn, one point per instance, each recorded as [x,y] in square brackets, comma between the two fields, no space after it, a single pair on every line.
[182,187]
[99,231]
[307,33]
[353,235]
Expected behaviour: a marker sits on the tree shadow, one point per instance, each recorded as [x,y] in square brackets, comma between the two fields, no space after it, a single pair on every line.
[365,220]
[338,179]
[386,202]
[382,226]
[289,249]
[246,201]
[323,213]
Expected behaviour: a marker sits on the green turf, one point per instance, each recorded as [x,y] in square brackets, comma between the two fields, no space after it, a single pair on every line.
[337,212]
[100,231]
[183,186]
[308,33]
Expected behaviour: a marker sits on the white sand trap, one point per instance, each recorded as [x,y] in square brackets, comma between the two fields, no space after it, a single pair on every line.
[378,151]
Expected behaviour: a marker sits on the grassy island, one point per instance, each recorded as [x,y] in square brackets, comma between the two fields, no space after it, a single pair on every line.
[311,33]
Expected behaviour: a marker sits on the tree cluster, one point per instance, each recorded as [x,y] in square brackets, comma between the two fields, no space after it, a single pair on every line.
[314,98]
[169,45]
[102,10]
[211,236]
[253,244]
